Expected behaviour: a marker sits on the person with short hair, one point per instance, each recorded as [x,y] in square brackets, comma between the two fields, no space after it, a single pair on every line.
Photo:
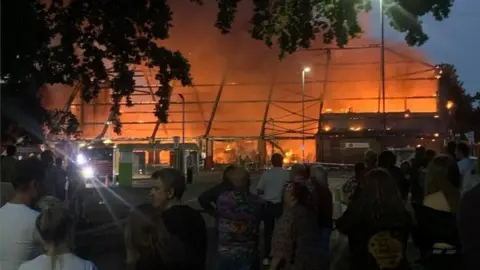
[181,221]
[55,226]
[298,172]
[353,185]
[239,215]
[370,159]
[270,187]
[19,239]
[387,160]
[8,164]
[208,198]
[55,180]
[418,175]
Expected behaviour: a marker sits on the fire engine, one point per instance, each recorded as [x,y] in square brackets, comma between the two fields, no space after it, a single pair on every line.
[96,164]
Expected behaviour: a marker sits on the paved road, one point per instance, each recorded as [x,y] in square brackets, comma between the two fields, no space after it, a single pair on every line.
[104,243]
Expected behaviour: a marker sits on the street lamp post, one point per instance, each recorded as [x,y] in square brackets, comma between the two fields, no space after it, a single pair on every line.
[183,117]
[182,149]
[273,135]
[382,64]
[305,70]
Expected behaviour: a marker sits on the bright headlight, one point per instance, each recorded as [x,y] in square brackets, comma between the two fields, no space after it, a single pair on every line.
[88,172]
[81,159]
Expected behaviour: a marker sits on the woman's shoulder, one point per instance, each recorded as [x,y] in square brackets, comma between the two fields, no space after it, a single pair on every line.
[436,201]
[71,260]
[76,262]
[34,263]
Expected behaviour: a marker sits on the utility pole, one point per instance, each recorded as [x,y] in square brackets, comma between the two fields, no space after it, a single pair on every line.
[304,71]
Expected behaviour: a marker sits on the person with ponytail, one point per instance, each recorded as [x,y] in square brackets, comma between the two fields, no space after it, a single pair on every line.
[55,226]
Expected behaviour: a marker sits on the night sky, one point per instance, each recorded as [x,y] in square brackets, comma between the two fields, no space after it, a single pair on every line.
[454,41]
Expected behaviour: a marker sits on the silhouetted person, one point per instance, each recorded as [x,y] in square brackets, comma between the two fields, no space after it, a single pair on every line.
[239,208]
[451,149]
[149,245]
[52,178]
[295,242]
[469,224]
[8,164]
[319,177]
[430,154]
[19,241]
[181,221]
[370,159]
[387,160]
[353,185]
[61,174]
[436,234]
[208,198]
[419,171]
[377,218]
[466,165]
[55,226]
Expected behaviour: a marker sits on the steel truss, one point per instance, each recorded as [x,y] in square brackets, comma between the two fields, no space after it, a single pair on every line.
[271,128]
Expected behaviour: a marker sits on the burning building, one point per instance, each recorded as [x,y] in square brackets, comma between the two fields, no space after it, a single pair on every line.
[247,103]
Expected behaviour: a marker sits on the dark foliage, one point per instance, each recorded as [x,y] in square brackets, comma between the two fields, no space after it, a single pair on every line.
[97,43]
[466,112]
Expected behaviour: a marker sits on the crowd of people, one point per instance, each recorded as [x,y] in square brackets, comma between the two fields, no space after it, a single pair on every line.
[431,200]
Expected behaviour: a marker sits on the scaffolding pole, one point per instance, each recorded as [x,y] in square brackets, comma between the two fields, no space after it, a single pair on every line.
[110,116]
[215,105]
[267,107]
[325,86]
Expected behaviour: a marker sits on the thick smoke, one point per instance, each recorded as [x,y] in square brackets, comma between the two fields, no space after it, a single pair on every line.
[249,68]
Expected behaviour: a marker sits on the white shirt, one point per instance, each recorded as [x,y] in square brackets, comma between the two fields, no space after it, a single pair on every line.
[66,261]
[19,239]
[466,165]
[272,183]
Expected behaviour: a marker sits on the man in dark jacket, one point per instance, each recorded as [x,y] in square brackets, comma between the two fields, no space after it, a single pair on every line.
[208,198]
[387,160]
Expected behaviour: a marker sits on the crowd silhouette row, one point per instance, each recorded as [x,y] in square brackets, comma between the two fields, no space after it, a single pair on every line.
[429,203]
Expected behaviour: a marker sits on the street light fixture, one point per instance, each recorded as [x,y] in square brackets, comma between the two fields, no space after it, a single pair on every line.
[305,70]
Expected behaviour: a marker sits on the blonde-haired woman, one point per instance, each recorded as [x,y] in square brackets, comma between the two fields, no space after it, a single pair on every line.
[55,226]
[436,233]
